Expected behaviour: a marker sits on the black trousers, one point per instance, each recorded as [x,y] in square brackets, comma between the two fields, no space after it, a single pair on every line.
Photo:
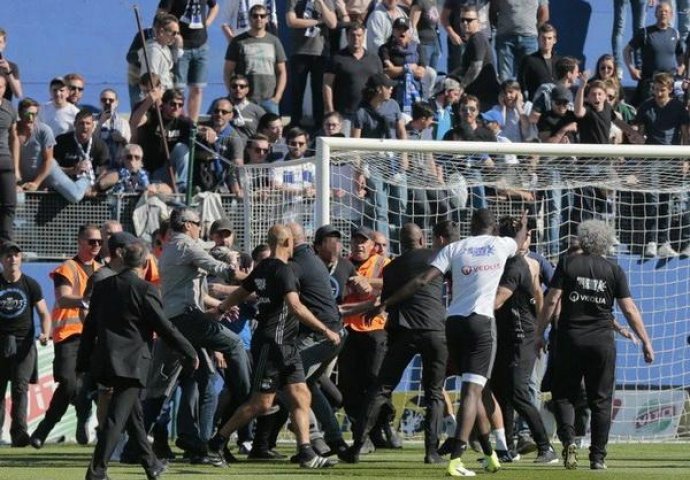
[71,389]
[510,384]
[124,405]
[359,363]
[8,202]
[403,344]
[18,370]
[300,66]
[592,357]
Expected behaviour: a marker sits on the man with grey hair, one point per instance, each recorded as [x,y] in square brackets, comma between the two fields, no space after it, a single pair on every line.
[586,285]
[184,265]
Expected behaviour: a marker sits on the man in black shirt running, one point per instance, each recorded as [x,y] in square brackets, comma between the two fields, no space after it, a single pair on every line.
[587,285]
[274,348]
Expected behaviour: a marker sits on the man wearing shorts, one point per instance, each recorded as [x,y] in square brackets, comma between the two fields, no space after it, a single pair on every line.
[276,359]
[476,264]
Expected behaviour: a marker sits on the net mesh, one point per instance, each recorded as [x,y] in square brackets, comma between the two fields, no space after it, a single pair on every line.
[643,196]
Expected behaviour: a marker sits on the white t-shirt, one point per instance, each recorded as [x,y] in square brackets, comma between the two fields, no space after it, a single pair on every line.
[60,120]
[476,264]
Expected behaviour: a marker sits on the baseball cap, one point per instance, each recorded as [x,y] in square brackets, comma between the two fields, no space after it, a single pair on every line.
[561,93]
[401,23]
[222,224]
[493,116]
[7,247]
[380,80]
[363,231]
[119,240]
[58,81]
[326,231]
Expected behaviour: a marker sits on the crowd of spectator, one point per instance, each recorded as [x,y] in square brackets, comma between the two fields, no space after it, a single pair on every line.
[373,69]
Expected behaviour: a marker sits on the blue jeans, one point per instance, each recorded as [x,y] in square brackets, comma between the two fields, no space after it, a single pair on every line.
[477,192]
[389,204]
[198,403]
[553,214]
[72,190]
[510,49]
[270,106]
[683,16]
[179,159]
[430,53]
[191,68]
[638,17]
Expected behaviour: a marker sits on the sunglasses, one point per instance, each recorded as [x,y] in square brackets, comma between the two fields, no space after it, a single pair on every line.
[467,20]
[238,86]
[221,111]
[176,104]
[76,88]
[198,224]
[259,15]
[131,156]
[95,242]
[107,100]
[469,109]
[561,102]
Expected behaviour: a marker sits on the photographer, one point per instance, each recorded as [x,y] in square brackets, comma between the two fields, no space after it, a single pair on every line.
[114,130]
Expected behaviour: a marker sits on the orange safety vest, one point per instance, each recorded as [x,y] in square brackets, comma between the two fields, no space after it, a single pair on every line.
[151,273]
[68,321]
[372,268]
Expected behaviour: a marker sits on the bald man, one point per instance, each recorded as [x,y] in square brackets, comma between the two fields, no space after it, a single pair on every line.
[277,362]
[416,325]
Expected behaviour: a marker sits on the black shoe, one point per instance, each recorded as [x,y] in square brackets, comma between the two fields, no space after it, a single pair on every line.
[210,459]
[162,451]
[82,432]
[216,445]
[447,446]
[392,438]
[266,455]
[336,447]
[36,442]
[525,445]
[156,472]
[194,447]
[350,455]
[433,458]
[377,438]
[597,465]
[21,440]
[320,446]
[228,456]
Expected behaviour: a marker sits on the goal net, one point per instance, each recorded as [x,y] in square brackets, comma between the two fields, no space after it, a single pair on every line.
[641,191]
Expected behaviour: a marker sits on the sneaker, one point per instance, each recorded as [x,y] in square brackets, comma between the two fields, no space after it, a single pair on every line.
[317,461]
[650,250]
[320,446]
[245,448]
[349,455]
[210,459]
[433,458]
[492,464]
[457,469]
[368,447]
[36,442]
[392,438]
[547,457]
[525,445]
[228,456]
[506,456]
[570,457]
[665,250]
[597,465]
[215,445]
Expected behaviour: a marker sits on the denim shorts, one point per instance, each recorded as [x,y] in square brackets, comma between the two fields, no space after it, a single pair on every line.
[191,68]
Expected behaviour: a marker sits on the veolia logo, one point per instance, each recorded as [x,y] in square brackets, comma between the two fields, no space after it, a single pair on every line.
[654,417]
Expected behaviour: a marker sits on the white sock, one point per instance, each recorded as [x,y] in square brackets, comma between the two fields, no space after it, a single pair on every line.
[500,434]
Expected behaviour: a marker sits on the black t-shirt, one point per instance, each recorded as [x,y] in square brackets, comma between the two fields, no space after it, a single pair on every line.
[192,17]
[422,311]
[516,317]
[315,288]
[68,152]
[552,123]
[340,273]
[662,125]
[350,77]
[595,127]
[536,70]
[427,27]
[17,300]
[177,131]
[485,86]
[272,279]
[590,283]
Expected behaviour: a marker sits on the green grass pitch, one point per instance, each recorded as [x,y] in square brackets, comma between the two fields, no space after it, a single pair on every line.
[625,462]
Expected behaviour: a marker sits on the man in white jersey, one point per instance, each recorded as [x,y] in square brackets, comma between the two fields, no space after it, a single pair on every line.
[476,264]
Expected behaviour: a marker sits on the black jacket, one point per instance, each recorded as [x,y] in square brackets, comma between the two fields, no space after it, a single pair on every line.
[117,340]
